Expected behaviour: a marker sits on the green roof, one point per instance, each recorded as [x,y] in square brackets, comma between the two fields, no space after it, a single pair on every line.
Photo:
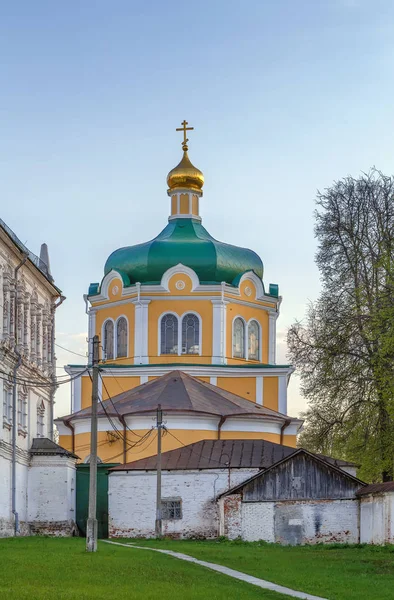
[184,241]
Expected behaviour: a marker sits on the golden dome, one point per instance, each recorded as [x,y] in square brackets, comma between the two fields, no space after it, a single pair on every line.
[185,176]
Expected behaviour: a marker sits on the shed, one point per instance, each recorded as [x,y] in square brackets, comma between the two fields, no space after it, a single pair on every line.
[300,499]
[192,477]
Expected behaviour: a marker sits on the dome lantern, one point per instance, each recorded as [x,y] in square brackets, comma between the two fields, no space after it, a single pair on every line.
[185,183]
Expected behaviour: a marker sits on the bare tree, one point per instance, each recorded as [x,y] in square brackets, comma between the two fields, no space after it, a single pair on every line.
[345,350]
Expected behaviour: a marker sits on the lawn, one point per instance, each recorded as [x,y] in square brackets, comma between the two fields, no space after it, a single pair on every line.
[60,569]
[333,572]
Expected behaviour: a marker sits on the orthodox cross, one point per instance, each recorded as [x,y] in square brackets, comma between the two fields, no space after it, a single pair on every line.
[184,129]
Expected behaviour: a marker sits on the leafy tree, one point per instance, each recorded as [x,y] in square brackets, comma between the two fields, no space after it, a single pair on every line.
[344,351]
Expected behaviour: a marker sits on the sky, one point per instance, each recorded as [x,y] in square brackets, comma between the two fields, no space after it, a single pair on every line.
[285,97]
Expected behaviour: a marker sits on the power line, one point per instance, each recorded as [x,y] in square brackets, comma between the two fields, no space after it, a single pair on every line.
[71,351]
[113,404]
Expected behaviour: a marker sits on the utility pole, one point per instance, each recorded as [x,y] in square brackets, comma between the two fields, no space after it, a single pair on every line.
[91,527]
[159,425]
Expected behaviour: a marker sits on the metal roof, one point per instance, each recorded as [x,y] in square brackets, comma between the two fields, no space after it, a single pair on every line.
[375,488]
[178,392]
[45,446]
[213,454]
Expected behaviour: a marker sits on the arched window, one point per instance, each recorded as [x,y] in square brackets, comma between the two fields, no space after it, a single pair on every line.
[41,419]
[253,341]
[169,334]
[121,337]
[190,334]
[108,340]
[239,338]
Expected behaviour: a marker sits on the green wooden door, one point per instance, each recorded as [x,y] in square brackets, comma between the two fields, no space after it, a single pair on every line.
[82,498]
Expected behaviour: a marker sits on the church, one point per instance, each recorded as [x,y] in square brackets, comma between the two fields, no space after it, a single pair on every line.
[184,321]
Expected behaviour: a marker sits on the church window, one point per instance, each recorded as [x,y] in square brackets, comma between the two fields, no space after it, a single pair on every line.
[171,509]
[239,338]
[169,334]
[22,410]
[253,341]
[121,337]
[7,404]
[108,340]
[190,334]
[41,419]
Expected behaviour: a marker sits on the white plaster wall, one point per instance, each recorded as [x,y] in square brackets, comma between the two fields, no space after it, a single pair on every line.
[377,519]
[132,501]
[6,516]
[51,489]
[257,521]
[291,522]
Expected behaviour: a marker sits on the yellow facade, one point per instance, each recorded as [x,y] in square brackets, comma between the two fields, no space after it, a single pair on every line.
[129,312]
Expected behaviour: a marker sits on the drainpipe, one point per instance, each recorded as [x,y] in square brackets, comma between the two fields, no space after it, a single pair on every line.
[282,430]
[123,421]
[54,386]
[220,424]
[14,399]
[68,424]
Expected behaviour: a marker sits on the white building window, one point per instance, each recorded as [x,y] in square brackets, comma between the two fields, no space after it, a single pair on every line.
[253,341]
[22,410]
[190,334]
[41,419]
[121,337]
[169,334]
[7,404]
[171,509]
[239,338]
[108,340]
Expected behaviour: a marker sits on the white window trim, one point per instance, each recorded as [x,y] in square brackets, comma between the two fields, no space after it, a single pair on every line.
[116,337]
[103,338]
[246,339]
[180,319]
[259,359]
[41,410]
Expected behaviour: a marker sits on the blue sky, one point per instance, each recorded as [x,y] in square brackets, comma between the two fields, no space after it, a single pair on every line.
[285,97]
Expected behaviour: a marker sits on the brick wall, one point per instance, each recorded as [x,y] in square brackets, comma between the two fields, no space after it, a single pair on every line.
[132,501]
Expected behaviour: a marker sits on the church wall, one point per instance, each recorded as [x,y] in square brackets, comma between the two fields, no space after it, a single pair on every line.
[117,385]
[113,312]
[202,307]
[250,435]
[132,501]
[246,312]
[242,386]
[270,392]
[86,391]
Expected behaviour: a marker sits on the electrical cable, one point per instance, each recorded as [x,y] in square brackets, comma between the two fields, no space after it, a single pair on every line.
[116,410]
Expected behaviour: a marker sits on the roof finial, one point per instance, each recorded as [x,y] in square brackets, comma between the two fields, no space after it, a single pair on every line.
[184,129]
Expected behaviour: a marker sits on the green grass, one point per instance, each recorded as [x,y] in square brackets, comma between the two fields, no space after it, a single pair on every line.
[60,569]
[334,572]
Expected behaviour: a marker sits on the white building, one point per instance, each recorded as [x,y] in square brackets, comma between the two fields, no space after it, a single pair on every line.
[28,301]
[192,479]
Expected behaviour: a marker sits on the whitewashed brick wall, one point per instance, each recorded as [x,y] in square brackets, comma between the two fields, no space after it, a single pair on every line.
[377,519]
[258,521]
[52,494]
[300,522]
[132,501]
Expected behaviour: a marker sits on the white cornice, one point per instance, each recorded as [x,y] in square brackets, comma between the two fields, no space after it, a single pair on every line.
[194,370]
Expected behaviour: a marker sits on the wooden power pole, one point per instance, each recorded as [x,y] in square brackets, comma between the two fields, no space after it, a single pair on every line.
[91,527]
[159,425]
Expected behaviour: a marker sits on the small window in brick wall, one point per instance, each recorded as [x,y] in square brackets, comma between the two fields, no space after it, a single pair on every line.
[171,509]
